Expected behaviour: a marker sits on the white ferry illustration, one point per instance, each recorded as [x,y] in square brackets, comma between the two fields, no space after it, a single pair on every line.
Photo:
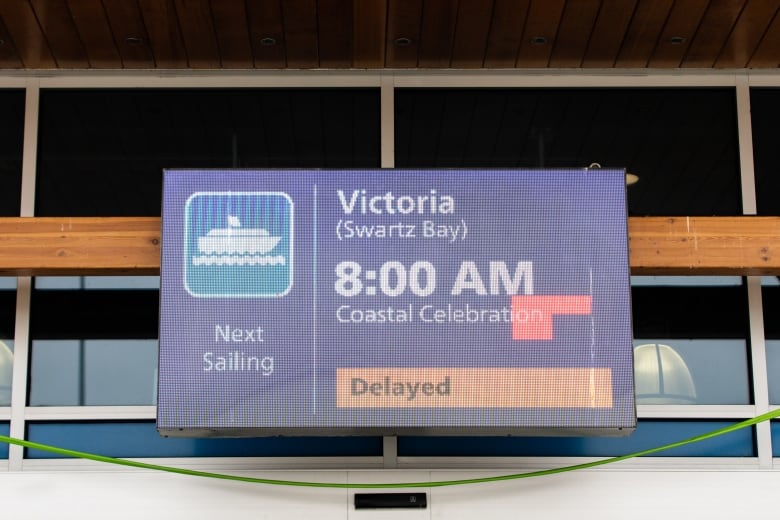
[236,245]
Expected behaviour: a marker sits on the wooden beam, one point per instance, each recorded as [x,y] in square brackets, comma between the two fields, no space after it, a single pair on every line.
[131,245]
[746,245]
[79,246]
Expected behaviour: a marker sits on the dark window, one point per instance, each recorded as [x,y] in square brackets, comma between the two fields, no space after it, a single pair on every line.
[7,307]
[764,114]
[102,152]
[11,146]
[681,143]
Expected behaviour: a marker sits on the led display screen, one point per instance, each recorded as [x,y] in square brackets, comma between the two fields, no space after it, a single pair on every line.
[335,302]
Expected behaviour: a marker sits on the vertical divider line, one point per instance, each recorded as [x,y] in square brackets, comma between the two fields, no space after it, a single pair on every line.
[24,283]
[30,147]
[19,377]
[745,143]
[760,384]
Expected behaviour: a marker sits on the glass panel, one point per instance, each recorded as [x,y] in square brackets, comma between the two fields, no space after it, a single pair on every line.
[690,371]
[690,345]
[770,296]
[677,140]
[773,369]
[93,347]
[102,152]
[5,429]
[11,146]
[7,324]
[6,371]
[7,283]
[93,372]
[120,372]
[97,282]
[649,434]
[685,281]
[121,282]
[770,281]
[59,282]
[55,373]
[140,439]
[775,428]
[764,114]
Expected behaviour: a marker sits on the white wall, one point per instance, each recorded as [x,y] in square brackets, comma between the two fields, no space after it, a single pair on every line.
[602,494]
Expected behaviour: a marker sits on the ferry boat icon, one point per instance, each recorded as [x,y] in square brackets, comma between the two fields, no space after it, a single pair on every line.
[236,245]
[237,240]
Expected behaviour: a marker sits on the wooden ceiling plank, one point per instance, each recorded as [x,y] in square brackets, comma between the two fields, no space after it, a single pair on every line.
[129,34]
[767,53]
[643,33]
[9,58]
[544,17]
[300,33]
[683,20]
[747,34]
[608,33]
[95,33]
[715,27]
[198,34]
[335,38]
[471,33]
[744,245]
[403,21]
[165,39]
[573,34]
[57,24]
[265,24]
[29,40]
[369,25]
[232,34]
[437,34]
[506,32]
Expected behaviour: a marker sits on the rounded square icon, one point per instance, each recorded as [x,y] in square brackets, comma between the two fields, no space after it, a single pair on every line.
[238,244]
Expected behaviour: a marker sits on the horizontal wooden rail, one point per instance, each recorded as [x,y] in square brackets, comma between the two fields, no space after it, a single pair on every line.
[131,245]
[79,246]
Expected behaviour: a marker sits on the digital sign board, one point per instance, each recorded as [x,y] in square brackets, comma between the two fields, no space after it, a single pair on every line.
[341,302]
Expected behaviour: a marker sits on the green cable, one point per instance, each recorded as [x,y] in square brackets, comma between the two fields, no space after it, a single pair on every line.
[442,483]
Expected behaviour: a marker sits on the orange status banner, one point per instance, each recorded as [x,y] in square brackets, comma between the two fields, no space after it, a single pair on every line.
[474,388]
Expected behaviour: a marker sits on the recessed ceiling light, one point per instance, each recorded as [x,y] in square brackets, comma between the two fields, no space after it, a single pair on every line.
[403,41]
[678,40]
[2,42]
[538,40]
[134,40]
[267,41]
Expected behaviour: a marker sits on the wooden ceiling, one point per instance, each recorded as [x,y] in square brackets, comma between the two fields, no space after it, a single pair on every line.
[394,34]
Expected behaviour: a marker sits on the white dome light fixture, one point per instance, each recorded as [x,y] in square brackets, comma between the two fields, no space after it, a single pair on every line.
[661,376]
